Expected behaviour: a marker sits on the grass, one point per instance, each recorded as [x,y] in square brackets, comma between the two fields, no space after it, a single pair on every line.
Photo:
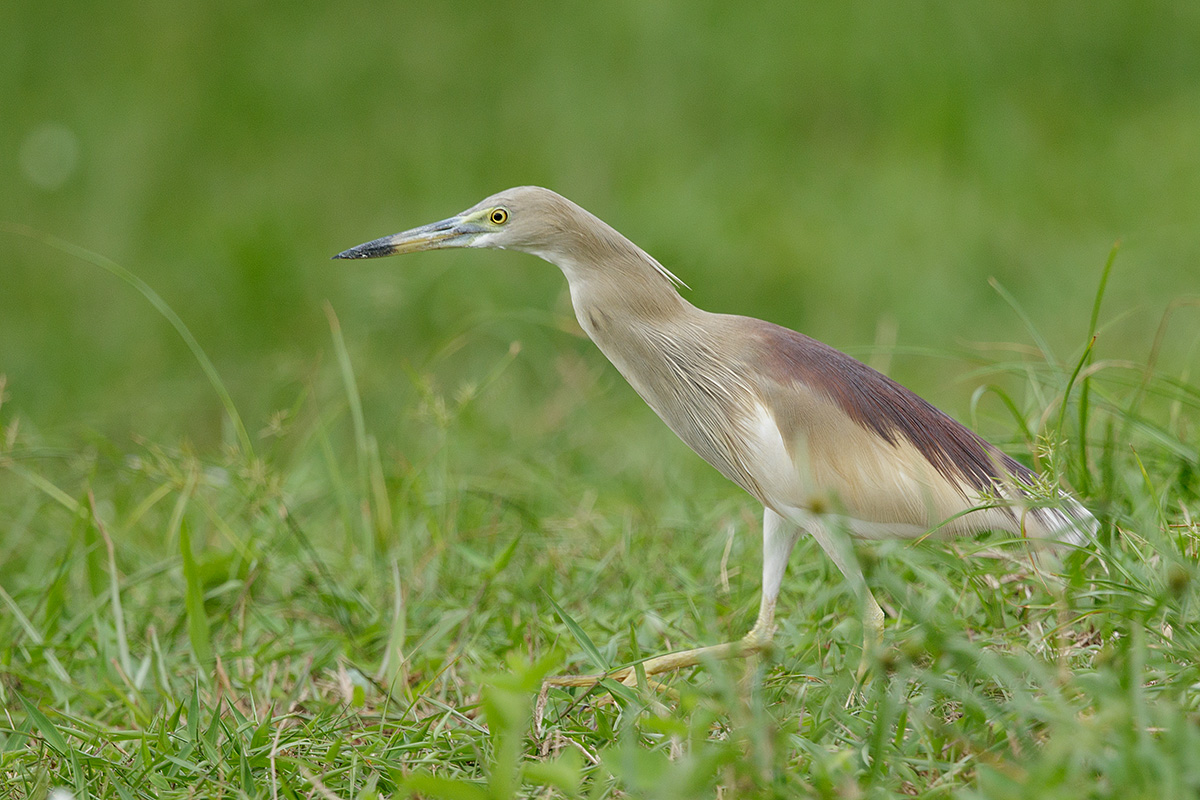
[351,612]
[248,548]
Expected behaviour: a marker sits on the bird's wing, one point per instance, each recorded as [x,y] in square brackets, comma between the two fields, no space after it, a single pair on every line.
[884,455]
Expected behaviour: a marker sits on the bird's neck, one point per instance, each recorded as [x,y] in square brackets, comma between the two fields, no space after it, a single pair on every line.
[613,280]
[628,293]
[626,305]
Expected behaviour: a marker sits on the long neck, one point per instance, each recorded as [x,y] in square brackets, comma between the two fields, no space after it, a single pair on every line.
[611,278]
[673,354]
[628,295]
[628,306]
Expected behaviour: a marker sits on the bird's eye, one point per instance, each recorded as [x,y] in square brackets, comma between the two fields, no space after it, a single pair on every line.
[499,216]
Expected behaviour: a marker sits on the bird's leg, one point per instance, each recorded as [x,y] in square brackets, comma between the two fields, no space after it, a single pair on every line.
[872,632]
[779,537]
[837,547]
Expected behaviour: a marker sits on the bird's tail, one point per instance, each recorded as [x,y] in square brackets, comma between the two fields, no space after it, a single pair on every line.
[1068,523]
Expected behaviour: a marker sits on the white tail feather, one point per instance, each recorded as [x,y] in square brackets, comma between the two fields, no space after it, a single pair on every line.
[1070,523]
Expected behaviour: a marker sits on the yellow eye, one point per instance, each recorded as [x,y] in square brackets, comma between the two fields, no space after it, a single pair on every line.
[499,216]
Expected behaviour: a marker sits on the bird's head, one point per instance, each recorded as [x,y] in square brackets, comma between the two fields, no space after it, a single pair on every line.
[535,221]
[527,218]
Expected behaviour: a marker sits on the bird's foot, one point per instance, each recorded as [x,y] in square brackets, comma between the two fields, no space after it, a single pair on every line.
[753,642]
[860,680]
[872,644]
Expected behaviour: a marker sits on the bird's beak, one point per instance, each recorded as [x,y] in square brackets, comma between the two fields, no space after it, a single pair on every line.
[457,231]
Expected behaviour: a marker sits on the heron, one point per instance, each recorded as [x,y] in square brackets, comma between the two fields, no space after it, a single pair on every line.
[830,447]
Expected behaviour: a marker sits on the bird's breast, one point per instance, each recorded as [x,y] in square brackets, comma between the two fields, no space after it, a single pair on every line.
[682,375]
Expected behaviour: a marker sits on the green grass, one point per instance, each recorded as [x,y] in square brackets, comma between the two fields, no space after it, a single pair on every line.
[276,526]
[344,613]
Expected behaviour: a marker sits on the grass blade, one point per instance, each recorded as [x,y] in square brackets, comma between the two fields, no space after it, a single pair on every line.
[430,785]
[392,670]
[52,491]
[1083,361]
[197,621]
[48,730]
[361,446]
[114,588]
[160,305]
[35,636]
[1108,265]
[580,637]
[1085,384]
[1034,333]
[193,586]
[1008,402]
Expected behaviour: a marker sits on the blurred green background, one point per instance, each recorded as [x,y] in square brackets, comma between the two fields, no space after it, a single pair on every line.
[855,170]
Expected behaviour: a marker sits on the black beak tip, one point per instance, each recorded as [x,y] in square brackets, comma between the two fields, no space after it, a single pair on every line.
[379,247]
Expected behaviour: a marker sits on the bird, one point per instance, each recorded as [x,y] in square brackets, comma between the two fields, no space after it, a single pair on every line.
[829,446]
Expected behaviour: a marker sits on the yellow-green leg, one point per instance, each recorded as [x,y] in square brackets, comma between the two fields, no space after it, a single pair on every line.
[779,537]
[837,546]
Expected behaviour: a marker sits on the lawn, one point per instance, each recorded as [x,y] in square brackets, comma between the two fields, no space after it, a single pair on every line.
[275,526]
